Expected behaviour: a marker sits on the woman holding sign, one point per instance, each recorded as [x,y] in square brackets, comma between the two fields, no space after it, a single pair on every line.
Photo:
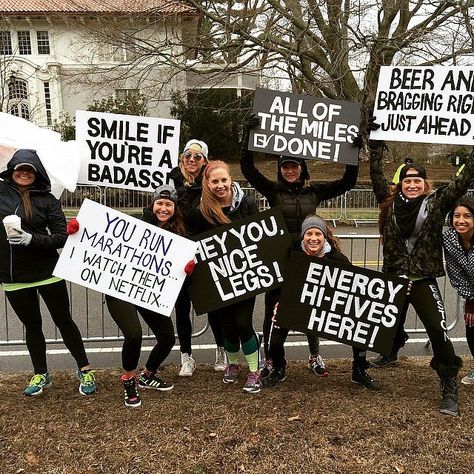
[35,227]
[317,240]
[187,178]
[411,223]
[223,201]
[297,199]
[458,243]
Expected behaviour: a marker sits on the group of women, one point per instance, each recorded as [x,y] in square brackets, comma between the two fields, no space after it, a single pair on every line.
[205,197]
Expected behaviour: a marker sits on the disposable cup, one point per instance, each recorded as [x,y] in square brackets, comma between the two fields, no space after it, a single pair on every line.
[11,223]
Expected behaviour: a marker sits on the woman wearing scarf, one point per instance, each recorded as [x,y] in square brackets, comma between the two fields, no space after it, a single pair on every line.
[411,222]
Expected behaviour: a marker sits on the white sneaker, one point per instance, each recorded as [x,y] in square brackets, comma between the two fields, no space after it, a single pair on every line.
[221,360]
[187,365]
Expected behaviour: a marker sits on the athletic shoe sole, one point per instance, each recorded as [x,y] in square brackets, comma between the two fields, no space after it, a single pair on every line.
[39,392]
[219,368]
[227,381]
[133,405]
[87,394]
[161,389]
[251,390]
[467,381]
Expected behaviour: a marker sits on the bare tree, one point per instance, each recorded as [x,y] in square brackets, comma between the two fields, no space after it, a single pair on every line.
[331,48]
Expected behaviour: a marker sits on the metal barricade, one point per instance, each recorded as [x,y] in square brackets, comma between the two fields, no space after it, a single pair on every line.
[72,201]
[361,207]
[96,325]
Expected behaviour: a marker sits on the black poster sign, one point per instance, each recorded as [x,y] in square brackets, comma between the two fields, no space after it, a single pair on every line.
[305,127]
[239,260]
[344,303]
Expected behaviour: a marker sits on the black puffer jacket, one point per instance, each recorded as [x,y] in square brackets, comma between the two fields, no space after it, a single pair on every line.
[35,261]
[188,196]
[297,200]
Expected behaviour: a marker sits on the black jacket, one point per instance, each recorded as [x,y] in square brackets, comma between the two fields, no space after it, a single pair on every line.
[188,196]
[297,200]
[36,261]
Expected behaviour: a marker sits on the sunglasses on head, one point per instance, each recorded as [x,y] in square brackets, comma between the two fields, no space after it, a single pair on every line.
[197,156]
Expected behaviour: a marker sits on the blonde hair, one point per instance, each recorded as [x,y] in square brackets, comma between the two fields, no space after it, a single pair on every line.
[189,179]
[210,206]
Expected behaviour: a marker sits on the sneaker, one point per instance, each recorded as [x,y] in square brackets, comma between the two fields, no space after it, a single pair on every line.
[231,373]
[253,384]
[87,384]
[384,361]
[37,383]
[130,392]
[468,379]
[266,369]
[360,376]
[187,365]
[154,382]
[221,360]
[316,365]
[276,375]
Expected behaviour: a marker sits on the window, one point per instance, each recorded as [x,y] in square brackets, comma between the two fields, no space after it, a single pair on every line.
[5,43]
[47,101]
[24,42]
[18,98]
[42,39]
[17,89]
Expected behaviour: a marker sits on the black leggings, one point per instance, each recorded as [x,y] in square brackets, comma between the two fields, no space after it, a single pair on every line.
[426,299]
[184,326]
[125,316]
[236,321]
[26,305]
[278,335]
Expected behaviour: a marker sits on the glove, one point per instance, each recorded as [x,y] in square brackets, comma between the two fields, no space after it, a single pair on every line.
[358,141]
[253,121]
[72,226]
[372,124]
[21,238]
[189,268]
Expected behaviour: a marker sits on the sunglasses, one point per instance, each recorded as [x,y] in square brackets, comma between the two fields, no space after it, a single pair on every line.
[197,156]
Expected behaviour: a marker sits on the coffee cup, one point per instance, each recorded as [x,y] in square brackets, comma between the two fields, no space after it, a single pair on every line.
[12,224]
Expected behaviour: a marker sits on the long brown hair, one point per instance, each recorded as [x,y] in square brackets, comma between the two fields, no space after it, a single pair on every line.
[393,190]
[210,206]
[332,239]
[25,197]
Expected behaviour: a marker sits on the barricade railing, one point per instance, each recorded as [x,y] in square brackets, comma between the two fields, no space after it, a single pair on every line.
[96,325]
[357,206]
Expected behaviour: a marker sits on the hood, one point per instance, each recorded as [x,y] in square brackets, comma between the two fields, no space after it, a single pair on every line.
[42,182]
[237,196]
[304,169]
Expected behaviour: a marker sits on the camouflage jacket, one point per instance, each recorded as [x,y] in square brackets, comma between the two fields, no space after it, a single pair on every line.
[426,255]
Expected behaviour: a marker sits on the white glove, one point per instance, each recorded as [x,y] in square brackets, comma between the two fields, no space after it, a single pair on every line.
[20,238]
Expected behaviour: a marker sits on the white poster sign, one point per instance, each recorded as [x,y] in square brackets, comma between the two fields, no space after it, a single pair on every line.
[125,257]
[431,104]
[127,151]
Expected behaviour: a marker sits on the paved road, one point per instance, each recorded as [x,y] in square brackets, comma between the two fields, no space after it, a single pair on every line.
[93,320]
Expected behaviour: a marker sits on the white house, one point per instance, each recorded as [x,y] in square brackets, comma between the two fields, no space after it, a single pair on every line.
[58,56]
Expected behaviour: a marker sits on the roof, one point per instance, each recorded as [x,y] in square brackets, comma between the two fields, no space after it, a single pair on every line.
[45,7]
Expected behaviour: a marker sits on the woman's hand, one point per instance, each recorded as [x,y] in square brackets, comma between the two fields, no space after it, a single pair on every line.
[252,122]
[20,238]
[469,319]
[72,226]
[189,268]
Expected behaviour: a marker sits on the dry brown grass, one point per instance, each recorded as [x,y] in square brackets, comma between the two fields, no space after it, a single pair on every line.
[305,425]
